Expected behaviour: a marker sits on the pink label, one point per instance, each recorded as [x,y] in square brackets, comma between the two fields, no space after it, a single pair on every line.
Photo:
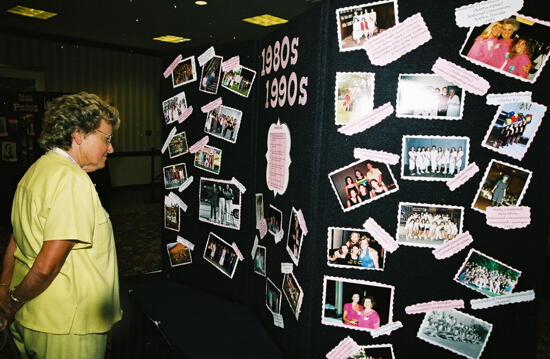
[371,119]
[510,97]
[199,144]
[185,242]
[212,105]
[279,236]
[508,217]
[237,251]
[344,349]
[463,176]
[525,296]
[168,139]
[395,42]
[230,64]
[287,268]
[380,235]
[172,66]
[262,226]
[453,246]
[386,329]
[238,184]
[207,55]
[484,12]
[461,77]
[186,113]
[380,156]
[186,184]
[278,158]
[278,320]
[434,305]
[302,222]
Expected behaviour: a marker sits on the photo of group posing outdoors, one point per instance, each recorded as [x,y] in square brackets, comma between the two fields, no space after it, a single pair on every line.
[356,304]
[220,203]
[362,182]
[239,80]
[428,96]
[184,72]
[173,107]
[174,175]
[433,158]
[178,145]
[178,253]
[376,351]
[517,46]
[209,159]
[294,237]
[221,255]
[210,76]
[486,275]
[354,248]
[354,96]
[513,128]
[502,185]
[428,225]
[223,122]
[357,24]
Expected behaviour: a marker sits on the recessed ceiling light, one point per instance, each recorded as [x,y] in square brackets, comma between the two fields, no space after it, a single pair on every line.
[201,2]
[27,11]
[265,20]
[171,38]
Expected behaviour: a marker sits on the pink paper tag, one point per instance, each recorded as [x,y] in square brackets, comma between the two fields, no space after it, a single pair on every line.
[302,222]
[453,246]
[381,235]
[463,176]
[237,251]
[485,12]
[262,226]
[199,144]
[386,329]
[212,105]
[518,297]
[374,155]
[186,113]
[395,42]
[168,139]
[344,349]
[231,64]
[508,217]
[461,77]
[372,118]
[205,56]
[172,66]
[238,184]
[434,305]
[510,97]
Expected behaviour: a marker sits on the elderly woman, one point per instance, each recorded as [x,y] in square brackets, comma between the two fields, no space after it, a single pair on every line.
[369,318]
[59,283]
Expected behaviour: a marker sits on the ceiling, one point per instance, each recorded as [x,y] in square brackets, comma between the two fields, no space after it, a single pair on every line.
[132,24]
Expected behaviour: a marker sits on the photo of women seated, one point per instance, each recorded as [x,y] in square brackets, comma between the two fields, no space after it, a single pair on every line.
[517,46]
[354,248]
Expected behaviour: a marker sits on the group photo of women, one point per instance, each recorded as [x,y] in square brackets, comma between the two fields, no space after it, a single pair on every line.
[173,107]
[517,46]
[354,248]
[220,203]
[184,72]
[174,175]
[274,220]
[210,76]
[294,237]
[354,96]
[239,80]
[223,122]
[171,214]
[209,159]
[221,255]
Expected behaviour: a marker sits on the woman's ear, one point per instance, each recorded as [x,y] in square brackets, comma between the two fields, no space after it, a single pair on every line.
[77,136]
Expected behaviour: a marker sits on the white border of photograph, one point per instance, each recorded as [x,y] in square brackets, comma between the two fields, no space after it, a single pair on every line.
[235,131]
[193,70]
[164,175]
[218,153]
[417,204]
[212,263]
[166,114]
[219,76]
[172,204]
[186,145]
[251,82]
[259,208]
[486,173]
[294,215]
[374,346]
[256,269]
[361,230]
[297,309]
[216,180]
[170,257]
[372,82]
[278,290]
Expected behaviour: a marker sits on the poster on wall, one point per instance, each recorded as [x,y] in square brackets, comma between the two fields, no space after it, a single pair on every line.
[278,158]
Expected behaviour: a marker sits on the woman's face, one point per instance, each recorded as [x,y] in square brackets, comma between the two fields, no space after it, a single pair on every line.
[364,244]
[355,298]
[363,189]
[367,304]
[369,166]
[505,179]
[451,92]
[355,251]
[354,237]
[358,174]
[507,31]
[495,30]
[353,193]
[348,180]
[521,47]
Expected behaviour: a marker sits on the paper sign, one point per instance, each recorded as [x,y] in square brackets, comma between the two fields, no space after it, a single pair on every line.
[511,97]
[395,42]
[278,320]
[186,113]
[372,118]
[375,155]
[172,66]
[287,268]
[508,217]
[279,236]
[453,246]
[463,176]
[168,139]
[237,251]
[186,183]
[175,199]
[461,77]
[526,296]
[485,12]
[386,329]
[302,222]
[434,305]
[278,158]
[207,55]
[262,226]
[212,105]
[345,349]
[380,235]
[238,184]
[199,144]
[254,247]
[230,64]
[185,242]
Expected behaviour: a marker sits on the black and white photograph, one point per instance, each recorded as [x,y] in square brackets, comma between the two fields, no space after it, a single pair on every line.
[294,237]
[428,225]
[274,220]
[178,253]
[357,24]
[260,260]
[259,208]
[9,151]
[502,184]
[221,255]
[293,293]
[356,304]
[513,128]
[273,296]
[239,80]
[178,145]
[223,122]
[173,107]
[428,96]
[354,248]
[362,182]
[433,158]
[211,75]
[375,351]
[455,331]
[184,72]
[353,96]
[208,158]
[220,203]
[171,214]
[174,175]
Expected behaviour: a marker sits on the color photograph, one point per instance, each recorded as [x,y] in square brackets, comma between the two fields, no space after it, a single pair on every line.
[354,96]
[239,80]
[355,249]
[178,254]
[221,255]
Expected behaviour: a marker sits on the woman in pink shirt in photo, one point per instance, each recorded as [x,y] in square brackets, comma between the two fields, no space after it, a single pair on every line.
[499,53]
[485,43]
[519,58]
[369,318]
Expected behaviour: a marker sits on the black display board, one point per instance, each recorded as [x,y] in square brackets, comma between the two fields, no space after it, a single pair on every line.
[317,149]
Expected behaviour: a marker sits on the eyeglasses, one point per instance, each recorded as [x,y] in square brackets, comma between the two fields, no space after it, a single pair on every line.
[108,137]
